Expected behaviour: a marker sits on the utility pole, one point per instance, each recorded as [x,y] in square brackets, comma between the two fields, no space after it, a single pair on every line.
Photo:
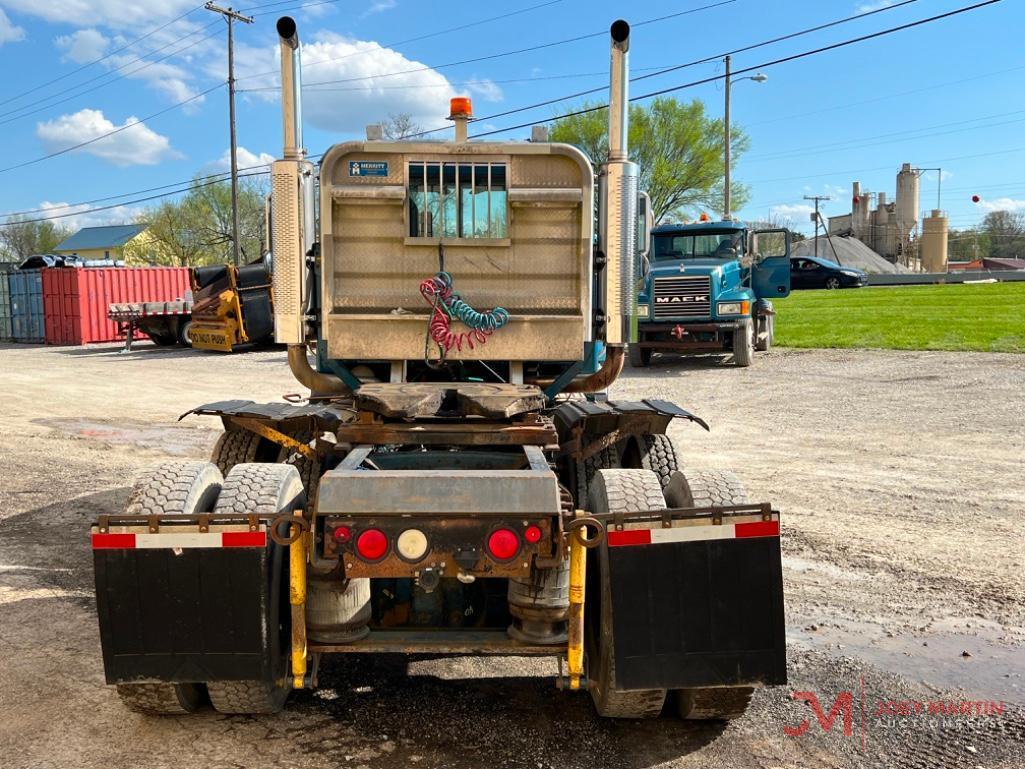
[818,218]
[230,17]
[726,190]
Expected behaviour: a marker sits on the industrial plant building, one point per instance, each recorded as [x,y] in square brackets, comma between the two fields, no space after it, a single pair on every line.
[893,229]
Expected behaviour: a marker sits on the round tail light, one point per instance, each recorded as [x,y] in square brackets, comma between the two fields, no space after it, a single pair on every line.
[342,534]
[372,545]
[503,544]
[411,545]
[532,534]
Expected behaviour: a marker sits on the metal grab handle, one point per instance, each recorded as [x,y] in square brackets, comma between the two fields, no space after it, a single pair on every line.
[579,526]
[299,523]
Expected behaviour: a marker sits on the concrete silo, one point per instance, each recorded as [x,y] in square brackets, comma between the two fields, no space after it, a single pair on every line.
[907,202]
[933,243]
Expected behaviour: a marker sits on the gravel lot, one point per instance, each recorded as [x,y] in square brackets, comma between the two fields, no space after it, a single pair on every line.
[899,476]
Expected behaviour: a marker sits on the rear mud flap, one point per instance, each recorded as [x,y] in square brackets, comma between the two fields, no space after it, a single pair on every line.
[191,614]
[696,613]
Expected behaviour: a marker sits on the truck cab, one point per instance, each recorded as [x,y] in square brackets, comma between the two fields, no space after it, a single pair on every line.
[709,288]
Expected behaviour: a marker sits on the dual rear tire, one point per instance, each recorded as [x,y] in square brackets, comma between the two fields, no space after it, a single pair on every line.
[199,487]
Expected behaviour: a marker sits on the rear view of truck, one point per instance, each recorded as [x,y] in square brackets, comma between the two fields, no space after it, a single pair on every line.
[458,481]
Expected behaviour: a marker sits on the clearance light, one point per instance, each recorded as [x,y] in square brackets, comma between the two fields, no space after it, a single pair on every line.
[532,534]
[342,534]
[411,544]
[460,106]
[503,544]
[372,545]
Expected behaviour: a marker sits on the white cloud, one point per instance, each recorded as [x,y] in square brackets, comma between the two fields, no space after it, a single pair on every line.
[876,6]
[136,145]
[484,88]
[83,46]
[9,33]
[245,158]
[1002,204]
[355,92]
[379,7]
[797,211]
[136,15]
[116,215]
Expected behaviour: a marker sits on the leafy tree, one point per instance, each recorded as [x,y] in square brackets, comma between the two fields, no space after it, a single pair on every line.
[20,238]
[196,228]
[1006,232]
[679,150]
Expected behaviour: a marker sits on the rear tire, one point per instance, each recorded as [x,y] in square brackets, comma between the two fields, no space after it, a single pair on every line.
[172,488]
[619,491]
[163,340]
[658,454]
[185,334]
[720,704]
[606,459]
[640,357]
[309,469]
[705,488]
[161,699]
[235,447]
[262,489]
[743,343]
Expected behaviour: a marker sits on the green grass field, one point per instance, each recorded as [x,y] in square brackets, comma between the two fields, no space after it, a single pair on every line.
[983,317]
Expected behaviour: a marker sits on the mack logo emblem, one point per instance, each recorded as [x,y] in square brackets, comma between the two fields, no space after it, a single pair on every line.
[681,299]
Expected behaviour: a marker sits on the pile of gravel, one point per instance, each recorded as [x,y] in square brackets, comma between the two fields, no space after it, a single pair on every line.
[850,252]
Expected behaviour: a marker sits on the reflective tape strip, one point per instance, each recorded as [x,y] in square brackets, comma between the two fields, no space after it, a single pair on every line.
[693,533]
[190,540]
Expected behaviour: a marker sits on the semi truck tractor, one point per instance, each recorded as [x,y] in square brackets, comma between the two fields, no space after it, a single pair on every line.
[458,480]
[709,289]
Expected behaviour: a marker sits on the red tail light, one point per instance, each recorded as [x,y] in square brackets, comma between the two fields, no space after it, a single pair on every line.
[372,545]
[532,534]
[342,534]
[503,544]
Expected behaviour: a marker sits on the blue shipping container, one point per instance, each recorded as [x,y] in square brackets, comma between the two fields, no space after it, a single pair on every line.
[26,288]
[5,307]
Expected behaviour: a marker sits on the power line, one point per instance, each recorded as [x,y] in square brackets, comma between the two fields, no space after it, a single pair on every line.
[504,54]
[111,133]
[715,58]
[105,56]
[764,65]
[105,74]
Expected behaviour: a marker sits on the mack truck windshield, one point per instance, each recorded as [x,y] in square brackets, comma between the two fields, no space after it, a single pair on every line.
[710,289]
[459,479]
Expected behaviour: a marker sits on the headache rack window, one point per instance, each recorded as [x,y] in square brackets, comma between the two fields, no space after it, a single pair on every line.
[457,200]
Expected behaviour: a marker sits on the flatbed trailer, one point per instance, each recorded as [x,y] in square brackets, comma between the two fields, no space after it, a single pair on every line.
[165,323]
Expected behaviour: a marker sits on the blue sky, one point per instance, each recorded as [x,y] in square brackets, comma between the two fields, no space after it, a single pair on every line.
[944,95]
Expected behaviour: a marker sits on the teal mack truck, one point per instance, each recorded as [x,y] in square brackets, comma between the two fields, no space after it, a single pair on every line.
[709,289]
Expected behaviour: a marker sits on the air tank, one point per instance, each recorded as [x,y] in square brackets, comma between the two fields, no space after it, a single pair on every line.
[933,248]
[907,202]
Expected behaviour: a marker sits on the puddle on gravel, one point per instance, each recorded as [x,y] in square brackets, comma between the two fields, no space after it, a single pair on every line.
[994,668]
[176,440]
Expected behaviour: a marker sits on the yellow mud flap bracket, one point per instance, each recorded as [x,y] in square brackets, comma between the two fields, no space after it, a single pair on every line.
[579,543]
[298,542]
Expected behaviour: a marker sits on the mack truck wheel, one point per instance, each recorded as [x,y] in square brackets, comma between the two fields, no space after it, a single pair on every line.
[309,469]
[653,452]
[619,491]
[263,489]
[708,488]
[766,333]
[607,458]
[743,343]
[640,357]
[237,446]
[170,489]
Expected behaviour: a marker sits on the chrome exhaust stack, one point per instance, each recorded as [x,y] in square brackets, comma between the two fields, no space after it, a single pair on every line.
[618,191]
[291,88]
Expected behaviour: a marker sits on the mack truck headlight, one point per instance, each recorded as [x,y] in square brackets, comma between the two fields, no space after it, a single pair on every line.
[733,308]
[642,310]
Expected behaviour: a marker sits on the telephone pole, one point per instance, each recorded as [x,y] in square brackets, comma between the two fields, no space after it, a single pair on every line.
[818,218]
[230,17]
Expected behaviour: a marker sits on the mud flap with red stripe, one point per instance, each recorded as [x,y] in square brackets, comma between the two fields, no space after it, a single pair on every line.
[189,605]
[697,605]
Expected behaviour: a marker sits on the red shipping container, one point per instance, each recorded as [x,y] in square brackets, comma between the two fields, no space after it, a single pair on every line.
[75,299]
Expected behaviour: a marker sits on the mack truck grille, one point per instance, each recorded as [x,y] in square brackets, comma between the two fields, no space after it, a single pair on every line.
[683,297]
